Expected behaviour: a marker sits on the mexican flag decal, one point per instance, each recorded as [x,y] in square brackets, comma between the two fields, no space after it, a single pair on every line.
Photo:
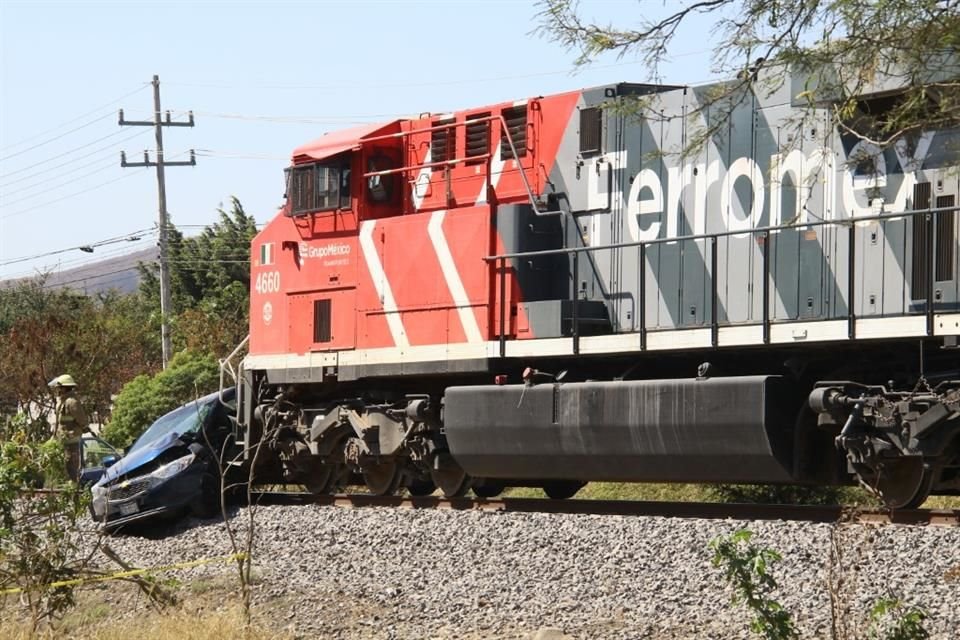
[266,254]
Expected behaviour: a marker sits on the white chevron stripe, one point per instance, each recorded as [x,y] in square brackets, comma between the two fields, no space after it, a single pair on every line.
[381,284]
[497,163]
[449,268]
[422,183]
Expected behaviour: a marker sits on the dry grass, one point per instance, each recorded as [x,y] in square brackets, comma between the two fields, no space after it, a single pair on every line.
[91,623]
[167,625]
[625,491]
[942,502]
[852,496]
[209,609]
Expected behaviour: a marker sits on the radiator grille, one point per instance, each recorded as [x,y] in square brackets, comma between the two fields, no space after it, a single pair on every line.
[125,491]
[478,135]
[516,122]
[591,130]
[321,320]
[920,274]
[946,238]
[442,142]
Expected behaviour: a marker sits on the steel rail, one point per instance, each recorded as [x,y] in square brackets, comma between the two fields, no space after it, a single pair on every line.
[688,510]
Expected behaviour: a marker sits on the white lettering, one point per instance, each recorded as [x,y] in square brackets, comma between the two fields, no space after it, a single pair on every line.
[782,168]
[310,251]
[673,201]
[742,168]
[268,282]
[910,161]
[653,213]
[646,179]
[866,171]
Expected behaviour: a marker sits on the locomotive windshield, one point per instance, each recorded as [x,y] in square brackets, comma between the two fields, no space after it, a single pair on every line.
[318,187]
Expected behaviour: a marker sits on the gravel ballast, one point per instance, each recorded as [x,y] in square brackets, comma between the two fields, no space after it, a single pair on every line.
[404,573]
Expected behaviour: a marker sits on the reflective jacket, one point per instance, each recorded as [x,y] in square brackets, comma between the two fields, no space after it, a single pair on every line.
[71,420]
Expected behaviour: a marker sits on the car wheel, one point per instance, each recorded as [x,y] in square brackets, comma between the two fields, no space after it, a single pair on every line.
[207,502]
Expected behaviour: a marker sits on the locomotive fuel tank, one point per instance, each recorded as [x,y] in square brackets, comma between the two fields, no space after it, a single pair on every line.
[733,429]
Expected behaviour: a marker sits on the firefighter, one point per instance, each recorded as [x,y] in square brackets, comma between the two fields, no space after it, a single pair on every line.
[71,422]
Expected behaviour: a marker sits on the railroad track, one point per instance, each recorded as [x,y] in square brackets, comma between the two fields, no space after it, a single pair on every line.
[706,510]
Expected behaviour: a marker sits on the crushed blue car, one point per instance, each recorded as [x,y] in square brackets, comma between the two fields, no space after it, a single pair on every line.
[172,468]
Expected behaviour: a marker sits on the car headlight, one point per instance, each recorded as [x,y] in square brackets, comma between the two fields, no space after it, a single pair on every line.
[98,491]
[172,468]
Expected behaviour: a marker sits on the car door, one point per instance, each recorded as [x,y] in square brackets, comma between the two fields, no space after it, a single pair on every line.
[95,456]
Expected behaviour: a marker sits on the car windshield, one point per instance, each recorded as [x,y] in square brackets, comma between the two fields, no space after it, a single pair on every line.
[186,419]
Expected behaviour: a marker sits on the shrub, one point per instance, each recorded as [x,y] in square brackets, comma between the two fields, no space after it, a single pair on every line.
[146,398]
[746,566]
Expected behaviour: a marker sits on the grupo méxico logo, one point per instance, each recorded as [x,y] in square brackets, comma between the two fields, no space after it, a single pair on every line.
[326,251]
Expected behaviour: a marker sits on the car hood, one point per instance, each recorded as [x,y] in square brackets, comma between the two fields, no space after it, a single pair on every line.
[140,457]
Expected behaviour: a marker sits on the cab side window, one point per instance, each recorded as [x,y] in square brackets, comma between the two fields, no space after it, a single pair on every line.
[381,187]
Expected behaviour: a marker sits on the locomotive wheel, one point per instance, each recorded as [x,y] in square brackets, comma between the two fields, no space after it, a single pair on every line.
[488,489]
[451,480]
[382,478]
[562,489]
[419,488]
[902,483]
[319,480]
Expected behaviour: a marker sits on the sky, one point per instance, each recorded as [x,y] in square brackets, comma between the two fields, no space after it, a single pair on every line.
[261,79]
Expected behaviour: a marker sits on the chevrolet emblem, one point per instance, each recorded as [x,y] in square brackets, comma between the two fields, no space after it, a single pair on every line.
[124,484]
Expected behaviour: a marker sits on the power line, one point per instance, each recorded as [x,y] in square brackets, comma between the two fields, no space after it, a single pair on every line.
[239,155]
[63,164]
[51,159]
[69,122]
[208,261]
[87,260]
[259,225]
[397,85]
[129,237]
[69,195]
[78,167]
[339,120]
[138,244]
[115,252]
[90,277]
[54,139]
[52,187]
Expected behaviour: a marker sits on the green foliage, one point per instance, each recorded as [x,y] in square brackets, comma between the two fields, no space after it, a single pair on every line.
[891,619]
[680,492]
[146,398]
[664,492]
[746,566]
[45,332]
[210,280]
[788,494]
[838,51]
[40,544]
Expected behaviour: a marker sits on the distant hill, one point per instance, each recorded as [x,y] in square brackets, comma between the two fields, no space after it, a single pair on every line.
[119,273]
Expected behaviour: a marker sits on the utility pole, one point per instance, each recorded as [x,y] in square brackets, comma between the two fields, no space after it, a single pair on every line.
[159,124]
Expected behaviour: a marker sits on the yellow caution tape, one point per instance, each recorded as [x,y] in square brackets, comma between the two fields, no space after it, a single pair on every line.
[126,574]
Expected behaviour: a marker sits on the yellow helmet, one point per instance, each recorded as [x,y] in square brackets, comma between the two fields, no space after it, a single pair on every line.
[65,380]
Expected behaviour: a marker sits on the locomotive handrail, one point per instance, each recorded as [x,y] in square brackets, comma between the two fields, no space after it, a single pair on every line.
[440,163]
[504,131]
[226,365]
[846,222]
[762,232]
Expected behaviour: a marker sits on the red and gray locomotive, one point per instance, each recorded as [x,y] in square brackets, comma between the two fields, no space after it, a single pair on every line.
[554,291]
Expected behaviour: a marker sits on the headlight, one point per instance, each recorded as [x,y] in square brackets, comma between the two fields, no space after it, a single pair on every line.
[171,469]
[98,491]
